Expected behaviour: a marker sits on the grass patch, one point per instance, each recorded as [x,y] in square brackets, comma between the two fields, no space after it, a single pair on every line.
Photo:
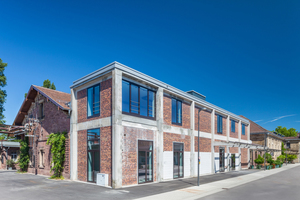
[57,177]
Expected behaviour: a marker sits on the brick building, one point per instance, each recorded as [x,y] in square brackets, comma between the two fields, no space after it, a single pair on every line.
[49,109]
[263,137]
[137,129]
[292,145]
[9,151]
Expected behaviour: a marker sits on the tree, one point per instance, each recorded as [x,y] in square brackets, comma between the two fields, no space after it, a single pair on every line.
[2,92]
[286,132]
[282,149]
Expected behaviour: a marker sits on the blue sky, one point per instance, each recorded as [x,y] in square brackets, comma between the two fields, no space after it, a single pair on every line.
[242,55]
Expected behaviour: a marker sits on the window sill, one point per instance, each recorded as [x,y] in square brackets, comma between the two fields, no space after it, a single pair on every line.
[137,115]
[41,167]
[178,124]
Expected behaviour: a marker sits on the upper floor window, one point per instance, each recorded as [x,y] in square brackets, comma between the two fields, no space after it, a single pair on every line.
[93,101]
[288,145]
[243,129]
[41,110]
[138,100]
[220,124]
[233,126]
[176,111]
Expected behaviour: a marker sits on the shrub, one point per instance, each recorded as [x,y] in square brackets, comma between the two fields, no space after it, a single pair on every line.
[259,160]
[10,163]
[24,154]
[291,157]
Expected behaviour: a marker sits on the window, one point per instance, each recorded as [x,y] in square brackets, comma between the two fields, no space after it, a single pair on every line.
[137,100]
[42,155]
[233,126]
[243,129]
[220,124]
[93,153]
[288,145]
[41,110]
[14,156]
[93,101]
[176,111]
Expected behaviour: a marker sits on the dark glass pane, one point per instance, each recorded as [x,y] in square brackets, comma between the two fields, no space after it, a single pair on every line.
[179,112]
[125,96]
[174,111]
[145,145]
[96,107]
[93,144]
[151,104]
[90,102]
[143,101]
[178,147]
[96,164]
[149,166]
[176,165]
[180,164]
[134,99]
[90,166]
[93,134]
[142,166]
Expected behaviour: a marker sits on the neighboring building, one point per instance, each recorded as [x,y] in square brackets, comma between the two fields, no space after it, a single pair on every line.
[137,129]
[292,145]
[261,136]
[49,108]
[9,151]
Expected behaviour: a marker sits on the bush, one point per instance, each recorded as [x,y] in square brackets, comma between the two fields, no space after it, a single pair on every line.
[10,163]
[291,157]
[24,154]
[281,158]
[277,162]
[259,160]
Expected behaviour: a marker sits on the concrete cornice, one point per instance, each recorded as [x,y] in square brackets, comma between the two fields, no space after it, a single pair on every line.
[139,75]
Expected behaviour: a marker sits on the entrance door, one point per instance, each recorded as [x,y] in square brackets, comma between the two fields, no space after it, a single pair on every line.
[178,160]
[233,161]
[145,161]
[93,153]
[222,159]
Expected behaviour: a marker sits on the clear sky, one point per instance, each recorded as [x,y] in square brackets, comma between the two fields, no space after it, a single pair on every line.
[242,55]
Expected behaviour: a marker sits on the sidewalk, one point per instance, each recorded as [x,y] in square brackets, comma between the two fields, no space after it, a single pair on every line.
[196,192]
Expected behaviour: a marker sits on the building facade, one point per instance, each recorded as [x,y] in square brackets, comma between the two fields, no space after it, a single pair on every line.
[9,151]
[292,145]
[48,110]
[136,129]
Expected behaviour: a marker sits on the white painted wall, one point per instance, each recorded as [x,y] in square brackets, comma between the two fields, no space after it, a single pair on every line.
[217,163]
[237,161]
[205,164]
[168,165]
[187,164]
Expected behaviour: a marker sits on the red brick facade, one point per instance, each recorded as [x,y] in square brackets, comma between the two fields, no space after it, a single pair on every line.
[245,137]
[223,126]
[105,102]
[186,123]
[130,154]
[4,157]
[169,138]
[205,120]
[205,144]
[244,157]
[82,155]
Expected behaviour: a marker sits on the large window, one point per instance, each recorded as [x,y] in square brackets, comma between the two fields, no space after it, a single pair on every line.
[41,111]
[233,126]
[93,151]
[145,161]
[176,112]
[243,129]
[93,101]
[220,124]
[14,156]
[137,100]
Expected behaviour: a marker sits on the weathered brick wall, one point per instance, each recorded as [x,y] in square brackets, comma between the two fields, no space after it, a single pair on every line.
[106,153]
[257,139]
[186,123]
[130,154]
[205,144]
[8,157]
[217,148]
[223,125]
[245,137]
[205,120]
[234,149]
[169,138]
[236,133]
[244,159]
[55,120]
[82,155]
[105,102]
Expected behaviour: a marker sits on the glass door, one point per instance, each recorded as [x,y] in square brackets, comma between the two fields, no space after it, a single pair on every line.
[222,159]
[145,161]
[233,161]
[93,153]
[178,160]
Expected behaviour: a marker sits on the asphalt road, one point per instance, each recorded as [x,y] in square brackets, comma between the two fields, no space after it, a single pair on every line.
[26,186]
[283,185]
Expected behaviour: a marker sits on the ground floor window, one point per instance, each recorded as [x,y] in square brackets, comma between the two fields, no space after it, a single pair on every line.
[178,150]
[14,156]
[42,155]
[222,159]
[145,161]
[233,161]
[93,154]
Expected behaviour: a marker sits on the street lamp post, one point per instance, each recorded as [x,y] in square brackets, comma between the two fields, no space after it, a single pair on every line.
[198,181]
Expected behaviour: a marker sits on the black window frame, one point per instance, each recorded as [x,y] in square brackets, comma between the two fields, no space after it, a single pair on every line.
[92,150]
[135,114]
[181,143]
[220,124]
[176,123]
[87,101]
[232,126]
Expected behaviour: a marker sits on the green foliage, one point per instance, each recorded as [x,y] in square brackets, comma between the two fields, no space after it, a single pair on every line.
[2,92]
[58,147]
[286,132]
[47,84]
[25,95]
[282,149]
[2,137]
[10,163]
[281,158]
[259,160]
[24,154]
[277,162]
[291,157]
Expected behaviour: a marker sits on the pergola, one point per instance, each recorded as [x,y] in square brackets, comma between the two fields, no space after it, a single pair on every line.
[11,130]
